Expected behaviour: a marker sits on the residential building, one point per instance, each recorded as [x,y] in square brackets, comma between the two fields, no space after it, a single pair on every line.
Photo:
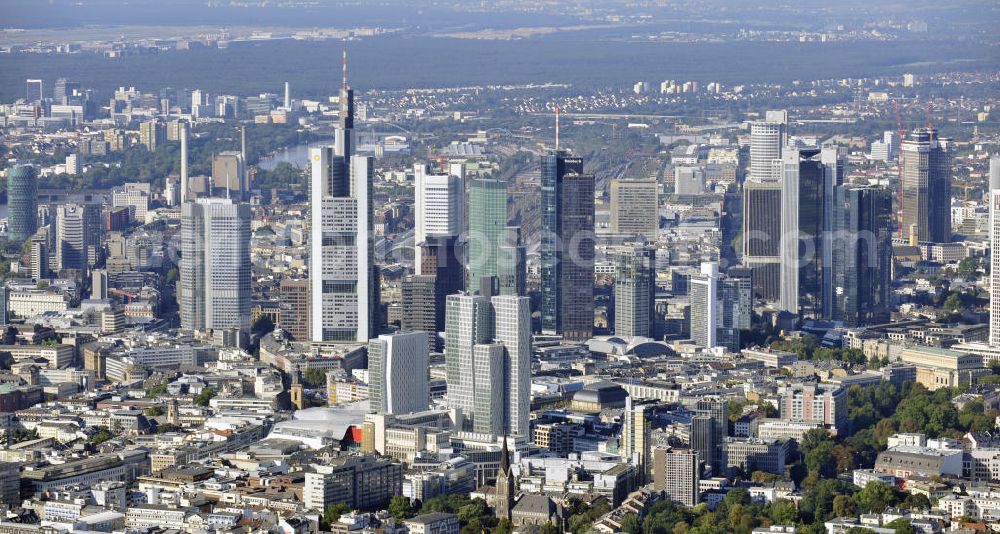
[815,403]
[676,473]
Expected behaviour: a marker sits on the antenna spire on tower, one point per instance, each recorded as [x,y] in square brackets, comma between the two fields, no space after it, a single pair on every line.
[344,75]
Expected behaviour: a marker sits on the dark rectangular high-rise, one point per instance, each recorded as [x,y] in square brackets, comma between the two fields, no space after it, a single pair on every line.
[423,311]
[424,296]
[862,254]
[567,247]
[294,318]
[762,236]
[926,161]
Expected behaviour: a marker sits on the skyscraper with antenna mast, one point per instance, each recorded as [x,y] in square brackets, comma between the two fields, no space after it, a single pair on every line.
[344,293]
[566,252]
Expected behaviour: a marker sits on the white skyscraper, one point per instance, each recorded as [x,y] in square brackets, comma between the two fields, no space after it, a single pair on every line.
[704,292]
[342,270]
[766,139]
[994,247]
[488,352]
[439,208]
[397,373]
[343,277]
[215,265]
[787,167]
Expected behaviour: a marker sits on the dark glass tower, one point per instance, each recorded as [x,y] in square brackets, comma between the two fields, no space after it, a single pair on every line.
[567,247]
[22,203]
[862,253]
[810,202]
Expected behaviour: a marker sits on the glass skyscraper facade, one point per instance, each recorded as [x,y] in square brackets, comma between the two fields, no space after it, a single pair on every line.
[487,223]
[22,203]
[567,247]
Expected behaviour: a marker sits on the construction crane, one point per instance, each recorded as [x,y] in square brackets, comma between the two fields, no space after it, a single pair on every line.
[899,168]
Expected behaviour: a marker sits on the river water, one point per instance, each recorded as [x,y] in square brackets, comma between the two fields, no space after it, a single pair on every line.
[297,155]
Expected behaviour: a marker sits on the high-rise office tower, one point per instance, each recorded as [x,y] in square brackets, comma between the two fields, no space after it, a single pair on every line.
[512,263]
[635,291]
[424,295]
[762,236]
[441,256]
[803,198]
[215,265]
[862,255]
[22,203]
[152,133]
[704,313]
[288,96]
[439,205]
[422,307]
[294,305]
[567,247]
[35,91]
[488,361]
[343,273]
[718,411]
[767,138]
[99,284]
[702,438]
[64,90]
[676,474]
[487,221]
[735,306]
[397,373]
[636,442]
[39,258]
[926,161]
[78,235]
[834,160]
[635,208]
[762,205]
[994,247]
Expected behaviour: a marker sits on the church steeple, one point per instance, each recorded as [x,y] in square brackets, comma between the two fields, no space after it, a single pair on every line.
[505,485]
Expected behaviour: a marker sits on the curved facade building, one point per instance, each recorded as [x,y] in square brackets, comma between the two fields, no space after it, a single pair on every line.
[22,203]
